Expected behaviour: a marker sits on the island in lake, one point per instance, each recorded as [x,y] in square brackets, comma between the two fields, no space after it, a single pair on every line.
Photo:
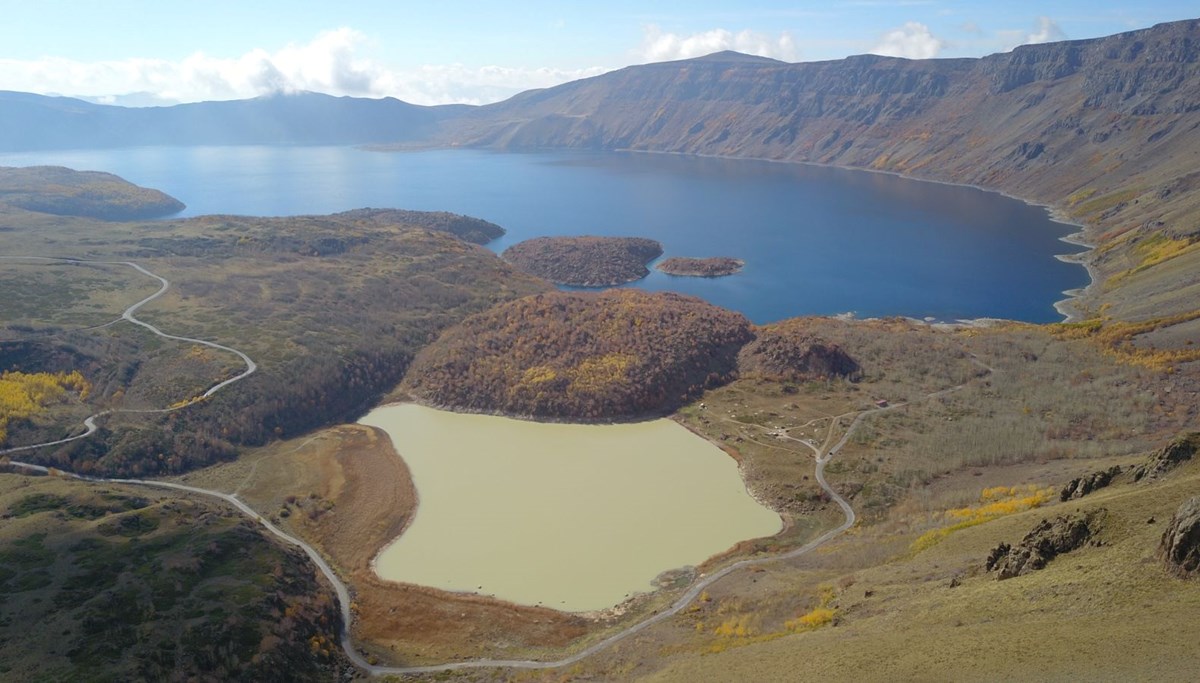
[585,261]
[716,266]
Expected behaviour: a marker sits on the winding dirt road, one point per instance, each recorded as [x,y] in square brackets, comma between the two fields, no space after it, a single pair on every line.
[822,454]
[128,314]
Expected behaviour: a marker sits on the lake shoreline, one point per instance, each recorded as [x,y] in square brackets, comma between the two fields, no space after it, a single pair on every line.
[1066,307]
[819,242]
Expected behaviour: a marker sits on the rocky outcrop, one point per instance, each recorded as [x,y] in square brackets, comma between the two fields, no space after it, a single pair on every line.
[1180,547]
[1047,540]
[1078,488]
[1182,449]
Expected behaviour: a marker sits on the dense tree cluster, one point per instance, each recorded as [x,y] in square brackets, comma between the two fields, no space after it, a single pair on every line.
[789,351]
[585,261]
[26,395]
[466,228]
[615,354]
[716,266]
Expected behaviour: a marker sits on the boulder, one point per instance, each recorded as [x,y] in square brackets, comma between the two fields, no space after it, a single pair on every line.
[1078,488]
[1169,457]
[1180,546]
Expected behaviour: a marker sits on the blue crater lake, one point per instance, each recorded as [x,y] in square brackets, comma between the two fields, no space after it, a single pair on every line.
[816,240]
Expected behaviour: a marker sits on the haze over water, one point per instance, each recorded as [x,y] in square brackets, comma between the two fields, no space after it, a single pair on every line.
[816,241]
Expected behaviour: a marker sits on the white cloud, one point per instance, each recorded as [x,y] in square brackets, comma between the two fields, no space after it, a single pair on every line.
[658,46]
[333,62]
[447,83]
[1047,32]
[913,40]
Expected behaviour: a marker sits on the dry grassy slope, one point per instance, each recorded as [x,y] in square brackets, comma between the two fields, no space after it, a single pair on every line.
[1099,613]
[1104,129]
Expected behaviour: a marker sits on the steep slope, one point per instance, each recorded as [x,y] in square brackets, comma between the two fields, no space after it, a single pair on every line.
[1105,129]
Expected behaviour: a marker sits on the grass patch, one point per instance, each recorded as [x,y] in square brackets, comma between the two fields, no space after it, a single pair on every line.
[993,503]
[1096,205]
[1152,251]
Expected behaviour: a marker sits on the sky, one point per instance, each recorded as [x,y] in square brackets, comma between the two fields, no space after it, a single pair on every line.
[140,52]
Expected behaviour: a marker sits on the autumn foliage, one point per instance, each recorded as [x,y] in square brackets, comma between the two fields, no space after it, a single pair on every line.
[585,261]
[26,395]
[788,351]
[615,354]
[994,502]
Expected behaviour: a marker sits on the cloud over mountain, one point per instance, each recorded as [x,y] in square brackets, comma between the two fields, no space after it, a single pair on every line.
[336,62]
[913,40]
[660,46]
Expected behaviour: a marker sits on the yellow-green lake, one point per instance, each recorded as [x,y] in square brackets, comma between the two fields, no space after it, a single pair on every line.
[574,517]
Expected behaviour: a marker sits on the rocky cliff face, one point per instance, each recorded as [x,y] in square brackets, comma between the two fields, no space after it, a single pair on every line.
[1106,129]
[1181,541]
[1047,540]
[1174,454]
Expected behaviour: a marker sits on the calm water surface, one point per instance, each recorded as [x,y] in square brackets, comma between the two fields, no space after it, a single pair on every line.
[815,240]
[574,517]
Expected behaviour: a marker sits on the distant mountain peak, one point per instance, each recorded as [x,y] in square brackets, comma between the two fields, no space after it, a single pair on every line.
[729,56]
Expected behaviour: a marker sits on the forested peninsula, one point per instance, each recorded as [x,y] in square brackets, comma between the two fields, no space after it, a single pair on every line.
[585,261]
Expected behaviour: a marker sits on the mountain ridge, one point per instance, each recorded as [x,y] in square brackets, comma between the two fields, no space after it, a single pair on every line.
[1103,130]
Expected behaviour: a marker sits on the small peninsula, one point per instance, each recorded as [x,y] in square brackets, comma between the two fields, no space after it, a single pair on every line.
[686,266]
[585,261]
[88,194]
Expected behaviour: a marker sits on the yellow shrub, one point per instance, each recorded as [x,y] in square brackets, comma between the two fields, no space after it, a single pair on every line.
[1153,251]
[599,373]
[812,620]
[538,374]
[1117,339]
[737,626]
[994,502]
